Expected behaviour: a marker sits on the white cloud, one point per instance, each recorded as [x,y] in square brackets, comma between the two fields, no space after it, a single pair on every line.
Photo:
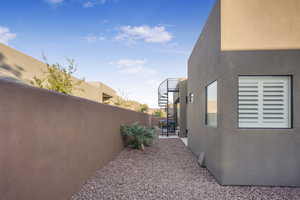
[129,63]
[88,4]
[148,80]
[129,66]
[105,21]
[175,51]
[92,3]
[91,38]
[6,35]
[153,83]
[55,1]
[84,3]
[156,34]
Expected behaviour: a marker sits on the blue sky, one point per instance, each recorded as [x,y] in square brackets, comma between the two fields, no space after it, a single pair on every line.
[130,45]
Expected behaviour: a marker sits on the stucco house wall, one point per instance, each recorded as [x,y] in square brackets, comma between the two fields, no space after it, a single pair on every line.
[260,25]
[180,106]
[183,108]
[233,155]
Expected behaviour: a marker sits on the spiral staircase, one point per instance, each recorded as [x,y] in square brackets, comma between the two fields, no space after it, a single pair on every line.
[166,92]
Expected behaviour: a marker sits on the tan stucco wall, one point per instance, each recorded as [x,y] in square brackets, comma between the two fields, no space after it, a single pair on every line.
[51,143]
[260,24]
[183,108]
[21,67]
[104,89]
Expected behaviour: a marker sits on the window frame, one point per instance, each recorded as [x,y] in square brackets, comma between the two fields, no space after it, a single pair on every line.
[206,105]
[291,100]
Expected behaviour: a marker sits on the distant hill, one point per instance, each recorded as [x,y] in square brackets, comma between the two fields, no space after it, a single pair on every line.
[20,67]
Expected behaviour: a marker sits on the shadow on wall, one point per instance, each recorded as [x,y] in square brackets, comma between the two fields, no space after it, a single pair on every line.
[16,70]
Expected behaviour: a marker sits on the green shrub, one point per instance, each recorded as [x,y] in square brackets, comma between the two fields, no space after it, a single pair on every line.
[58,78]
[137,136]
[160,113]
[144,108]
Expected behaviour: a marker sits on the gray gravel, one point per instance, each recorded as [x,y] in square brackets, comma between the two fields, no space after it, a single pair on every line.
[168,170]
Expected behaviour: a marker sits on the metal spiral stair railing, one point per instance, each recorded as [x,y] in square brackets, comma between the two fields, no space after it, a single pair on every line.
[166,88]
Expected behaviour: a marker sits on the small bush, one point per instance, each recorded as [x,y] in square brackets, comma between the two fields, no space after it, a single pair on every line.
[144,108]
[59,78]
[159,113]
[136,136]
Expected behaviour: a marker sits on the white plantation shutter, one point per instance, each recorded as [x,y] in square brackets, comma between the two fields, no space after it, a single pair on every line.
[264,101]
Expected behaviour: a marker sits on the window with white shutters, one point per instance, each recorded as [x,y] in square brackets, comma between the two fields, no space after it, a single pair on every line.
[264,102]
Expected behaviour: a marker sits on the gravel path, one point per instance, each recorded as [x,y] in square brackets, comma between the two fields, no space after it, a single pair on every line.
[168,171]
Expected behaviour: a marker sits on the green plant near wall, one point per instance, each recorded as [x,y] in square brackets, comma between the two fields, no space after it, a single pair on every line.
[58,78]
[144,108]
[137,136]
[159,113]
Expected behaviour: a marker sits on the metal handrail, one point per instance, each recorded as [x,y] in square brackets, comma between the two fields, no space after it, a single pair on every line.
[170,85]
